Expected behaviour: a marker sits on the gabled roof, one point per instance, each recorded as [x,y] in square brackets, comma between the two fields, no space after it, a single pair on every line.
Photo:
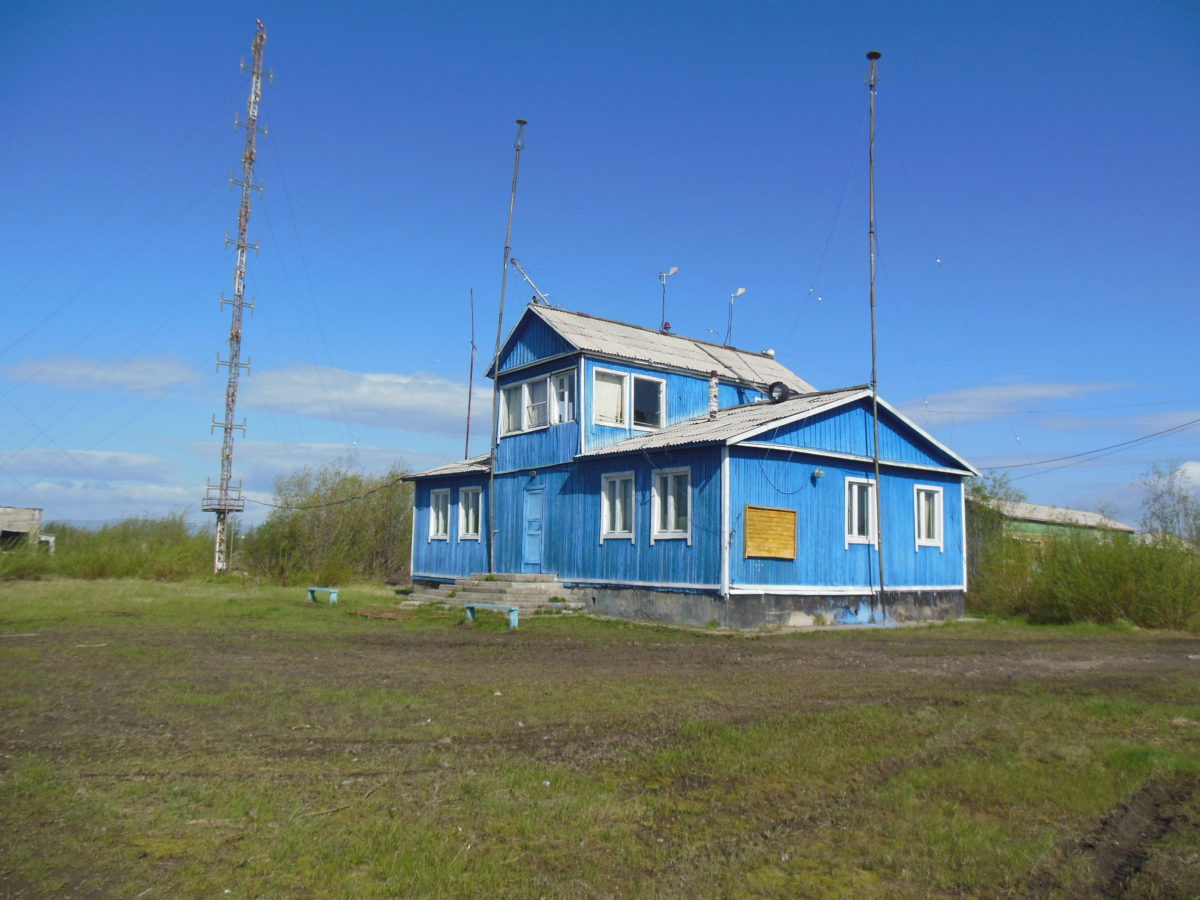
[476,465]
[1056,515]
[736,424]
[618,340]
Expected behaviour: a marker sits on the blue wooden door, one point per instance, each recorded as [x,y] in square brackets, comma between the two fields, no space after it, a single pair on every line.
[532,555]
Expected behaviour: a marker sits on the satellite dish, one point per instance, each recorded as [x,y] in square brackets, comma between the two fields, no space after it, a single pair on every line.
[674,269]
[739,292]
[778,391]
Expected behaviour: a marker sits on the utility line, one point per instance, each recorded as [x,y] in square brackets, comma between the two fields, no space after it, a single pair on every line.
[1136,440]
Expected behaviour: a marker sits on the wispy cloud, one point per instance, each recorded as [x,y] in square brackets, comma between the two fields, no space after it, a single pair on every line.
[150,376]
[95,465]
[980,404]
[419,402]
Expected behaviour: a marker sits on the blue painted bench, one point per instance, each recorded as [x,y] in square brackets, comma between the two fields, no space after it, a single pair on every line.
[332,592]
[503,607]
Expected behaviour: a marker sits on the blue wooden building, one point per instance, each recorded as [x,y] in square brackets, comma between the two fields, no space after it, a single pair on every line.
[659,476]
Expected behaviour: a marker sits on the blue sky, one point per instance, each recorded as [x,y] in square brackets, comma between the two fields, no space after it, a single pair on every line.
[1036,194]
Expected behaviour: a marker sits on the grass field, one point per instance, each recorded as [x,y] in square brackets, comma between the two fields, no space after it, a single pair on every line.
[211,740]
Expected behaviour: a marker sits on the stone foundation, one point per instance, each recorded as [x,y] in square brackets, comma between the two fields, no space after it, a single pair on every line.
[749,611]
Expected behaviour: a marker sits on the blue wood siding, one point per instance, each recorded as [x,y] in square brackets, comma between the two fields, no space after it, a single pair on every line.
[452,557]
[687,398]
[547,446]
[572,547]
[759,478]
[533,340]
[849,429]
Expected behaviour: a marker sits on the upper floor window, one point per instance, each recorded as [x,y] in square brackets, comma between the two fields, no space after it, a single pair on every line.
[563,386]
[439,515]
[927,507]
[548,400]
[608,398]
[649,402]
[614,393]
[468,513]
[616,506]
[860,511]
[672,507]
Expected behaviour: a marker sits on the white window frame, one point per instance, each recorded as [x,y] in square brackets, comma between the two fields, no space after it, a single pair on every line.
[628,380]
[656,500]
[477,502]
[850,508]
[522,388]
[567,378]
[439,497]
[623,422]
[939,516]
[662,402]
[611,478]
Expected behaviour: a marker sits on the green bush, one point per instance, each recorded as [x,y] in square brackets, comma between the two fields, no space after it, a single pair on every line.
[1103,579]
[333,525]
[166,548]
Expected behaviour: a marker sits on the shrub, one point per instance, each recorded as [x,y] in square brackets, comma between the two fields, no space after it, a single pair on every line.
[333,525]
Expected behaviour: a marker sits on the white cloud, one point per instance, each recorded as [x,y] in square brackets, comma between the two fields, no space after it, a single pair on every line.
[95,465]
[1191,471]
[417,402]
[90,502]
[146,375]
[980,404]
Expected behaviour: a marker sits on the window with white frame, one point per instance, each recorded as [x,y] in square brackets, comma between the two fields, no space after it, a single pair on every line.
[616,506]
[860,511]
[928,509]
[468,513]
[439,515]
[649,402]
[672,504]
[563,386]
[614,393]
[538,402]
[608,398]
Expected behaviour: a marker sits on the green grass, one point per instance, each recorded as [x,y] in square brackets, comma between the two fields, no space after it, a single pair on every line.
[188,739]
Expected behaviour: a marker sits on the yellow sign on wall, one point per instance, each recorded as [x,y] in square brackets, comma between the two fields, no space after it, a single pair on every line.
[770,532]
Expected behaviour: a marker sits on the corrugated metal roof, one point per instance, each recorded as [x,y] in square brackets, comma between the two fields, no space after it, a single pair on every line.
[730,422]
[476,465]
[622,341]
[1057,515]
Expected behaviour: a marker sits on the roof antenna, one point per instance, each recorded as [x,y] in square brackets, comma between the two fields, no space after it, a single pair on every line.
[545,298]
[663,324]
[729,327]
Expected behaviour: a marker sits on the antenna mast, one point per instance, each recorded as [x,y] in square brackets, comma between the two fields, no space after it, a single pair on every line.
[470,379]
[518,146]
[225,498]
[872,80]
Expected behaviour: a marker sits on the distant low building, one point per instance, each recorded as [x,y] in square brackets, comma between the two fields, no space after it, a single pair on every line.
[20,525]
[1035,522]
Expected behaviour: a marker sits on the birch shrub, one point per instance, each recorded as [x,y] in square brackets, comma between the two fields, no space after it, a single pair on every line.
[333,525]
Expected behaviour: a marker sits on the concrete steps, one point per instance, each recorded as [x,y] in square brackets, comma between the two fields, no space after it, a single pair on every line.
[529,593]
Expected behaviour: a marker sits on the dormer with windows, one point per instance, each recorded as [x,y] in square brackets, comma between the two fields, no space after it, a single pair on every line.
[569,383]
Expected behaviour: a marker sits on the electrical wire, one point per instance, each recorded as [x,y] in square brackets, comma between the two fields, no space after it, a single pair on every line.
[1098,450]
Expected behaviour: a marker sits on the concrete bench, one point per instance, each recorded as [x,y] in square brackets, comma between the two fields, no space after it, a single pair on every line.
[502,607]
[332,592]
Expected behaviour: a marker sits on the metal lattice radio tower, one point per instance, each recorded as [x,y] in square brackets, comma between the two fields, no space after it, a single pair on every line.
[225,497]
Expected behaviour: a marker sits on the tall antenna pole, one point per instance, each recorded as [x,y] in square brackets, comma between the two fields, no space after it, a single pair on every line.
[872,80]
[518,146]
[470,379]
[225,498]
